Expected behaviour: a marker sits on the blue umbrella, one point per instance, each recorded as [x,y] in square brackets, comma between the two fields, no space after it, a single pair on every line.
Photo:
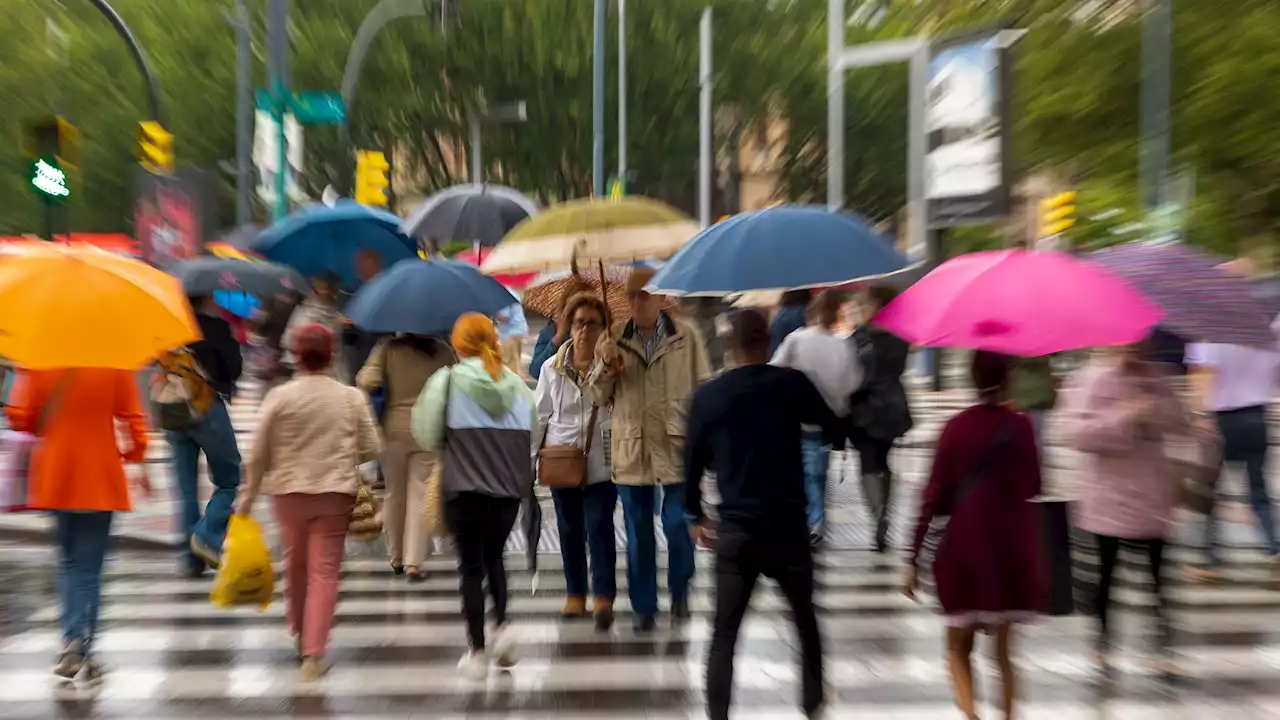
[780,248]
[240,304]
[425,297]
[320,238]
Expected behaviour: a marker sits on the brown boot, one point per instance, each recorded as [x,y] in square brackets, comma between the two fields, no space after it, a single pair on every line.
[602,610]
[575,606]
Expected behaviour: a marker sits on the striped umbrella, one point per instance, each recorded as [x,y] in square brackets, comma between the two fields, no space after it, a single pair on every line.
[1201,301]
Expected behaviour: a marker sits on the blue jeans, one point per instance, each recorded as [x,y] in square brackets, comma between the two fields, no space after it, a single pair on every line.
[1244,435]
[82,539]
[585,519]
[642,547]
[215,437]
[817,460]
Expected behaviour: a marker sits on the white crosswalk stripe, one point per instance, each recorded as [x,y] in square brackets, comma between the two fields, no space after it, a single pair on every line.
[395,645]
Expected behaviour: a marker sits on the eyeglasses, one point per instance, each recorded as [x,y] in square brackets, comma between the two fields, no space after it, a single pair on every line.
[587,324]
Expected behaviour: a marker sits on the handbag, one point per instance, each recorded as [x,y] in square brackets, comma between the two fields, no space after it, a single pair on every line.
[936,534]
[1196,462]
[15,475]
[565,466]
[433,498]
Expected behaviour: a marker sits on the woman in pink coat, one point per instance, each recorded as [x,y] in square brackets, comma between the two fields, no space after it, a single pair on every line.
[1119,411]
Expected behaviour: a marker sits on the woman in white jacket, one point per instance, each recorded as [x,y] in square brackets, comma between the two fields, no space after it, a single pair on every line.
[584,515]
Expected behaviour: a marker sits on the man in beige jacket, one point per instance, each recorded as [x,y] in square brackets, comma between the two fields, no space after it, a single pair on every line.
[648,368]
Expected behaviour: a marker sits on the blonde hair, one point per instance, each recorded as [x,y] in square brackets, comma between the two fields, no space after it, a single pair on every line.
[475,336]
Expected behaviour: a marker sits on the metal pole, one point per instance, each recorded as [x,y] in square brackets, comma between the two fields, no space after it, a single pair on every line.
[278,69]
[597,104]
[153,86]
[622,92]
[1157,57]
[474,153]
[244,112]
[917,205]
[835,104]
[704,118]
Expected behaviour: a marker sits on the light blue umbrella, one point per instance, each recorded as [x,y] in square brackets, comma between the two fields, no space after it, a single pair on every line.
[780,248]
[425,297]
[240,304]
[319,238]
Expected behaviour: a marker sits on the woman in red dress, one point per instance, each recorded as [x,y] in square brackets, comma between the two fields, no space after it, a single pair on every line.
[987,568]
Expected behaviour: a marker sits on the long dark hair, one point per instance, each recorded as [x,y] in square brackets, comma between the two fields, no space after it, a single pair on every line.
[990,373]
[428,346]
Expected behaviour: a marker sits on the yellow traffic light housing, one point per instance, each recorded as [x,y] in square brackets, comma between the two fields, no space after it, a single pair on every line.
[371,178]
[1057,213]
[155,148]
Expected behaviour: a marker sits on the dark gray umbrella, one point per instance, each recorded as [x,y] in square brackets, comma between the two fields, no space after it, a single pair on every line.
[205,275]
[241,237]
[472,213]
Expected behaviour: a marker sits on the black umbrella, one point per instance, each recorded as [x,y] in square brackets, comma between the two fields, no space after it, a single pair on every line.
[472,213]
[204,275]
[531,523]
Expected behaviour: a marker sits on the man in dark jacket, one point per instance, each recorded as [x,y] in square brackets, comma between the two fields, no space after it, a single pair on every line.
[745,426]
[789,318]
[219,357]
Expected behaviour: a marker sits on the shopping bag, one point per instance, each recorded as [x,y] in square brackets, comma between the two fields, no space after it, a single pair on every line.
[433,501]
[365,524]
[15,466]
[245,575]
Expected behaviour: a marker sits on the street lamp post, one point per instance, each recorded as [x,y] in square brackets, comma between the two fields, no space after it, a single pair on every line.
[704,118]
[622,92]
[597,103]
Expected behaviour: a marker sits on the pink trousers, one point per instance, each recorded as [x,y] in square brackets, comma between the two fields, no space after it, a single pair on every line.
[314,530]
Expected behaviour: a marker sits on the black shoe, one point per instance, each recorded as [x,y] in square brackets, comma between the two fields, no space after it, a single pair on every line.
[680,611]
[397,570]
[815,541]
[193,568]
[645,624]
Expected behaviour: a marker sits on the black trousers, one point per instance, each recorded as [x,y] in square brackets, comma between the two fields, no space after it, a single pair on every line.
[742,556]
[481,524]
[1108,552]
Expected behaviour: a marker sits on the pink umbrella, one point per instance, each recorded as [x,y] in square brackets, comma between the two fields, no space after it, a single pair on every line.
[1019,303]
[516,281]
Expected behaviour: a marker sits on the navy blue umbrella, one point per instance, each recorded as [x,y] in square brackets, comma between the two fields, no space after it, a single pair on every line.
[425,297]
[320,238]
[780,248]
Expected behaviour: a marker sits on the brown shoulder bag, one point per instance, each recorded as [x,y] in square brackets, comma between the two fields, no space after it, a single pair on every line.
[565,466]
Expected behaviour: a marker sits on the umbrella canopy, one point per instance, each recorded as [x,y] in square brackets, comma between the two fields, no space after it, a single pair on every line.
[240,304]
[1201,301]
[612,231]
[474,213]
[515,281]
[242,237]
[425,297]
[544,293]
[320,238]
[779,248]
[1019,303]
[204,275]
[78,306]
[230,252]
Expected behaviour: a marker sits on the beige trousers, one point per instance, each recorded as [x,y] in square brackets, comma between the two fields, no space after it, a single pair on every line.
[405,468]
[513,355]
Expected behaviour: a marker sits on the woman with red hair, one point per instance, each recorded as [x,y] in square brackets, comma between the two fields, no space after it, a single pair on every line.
[480,416]
[313,435]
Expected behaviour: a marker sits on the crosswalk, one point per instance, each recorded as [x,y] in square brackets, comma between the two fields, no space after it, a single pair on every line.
[395,647]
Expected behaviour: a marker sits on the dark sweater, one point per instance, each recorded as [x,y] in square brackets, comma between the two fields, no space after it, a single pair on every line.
[787,320]
[218,354]
[745,427]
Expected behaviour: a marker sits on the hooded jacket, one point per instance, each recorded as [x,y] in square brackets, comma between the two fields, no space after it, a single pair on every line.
[483,428]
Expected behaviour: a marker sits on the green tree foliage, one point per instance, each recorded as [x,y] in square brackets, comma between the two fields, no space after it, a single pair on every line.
[1076,84]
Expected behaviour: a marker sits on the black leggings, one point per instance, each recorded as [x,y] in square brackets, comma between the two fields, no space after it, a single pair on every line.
[480,525]
[1108,551]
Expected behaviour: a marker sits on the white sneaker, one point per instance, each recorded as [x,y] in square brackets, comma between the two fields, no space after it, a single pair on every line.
[474,665]
[504,646]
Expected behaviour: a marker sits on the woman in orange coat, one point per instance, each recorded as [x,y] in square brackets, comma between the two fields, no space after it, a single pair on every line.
[77,473]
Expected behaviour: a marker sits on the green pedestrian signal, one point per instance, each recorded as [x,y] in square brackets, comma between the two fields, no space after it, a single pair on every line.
[49,179]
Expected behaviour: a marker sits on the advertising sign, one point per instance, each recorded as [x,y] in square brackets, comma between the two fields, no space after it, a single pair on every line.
[967,125]
[171,215]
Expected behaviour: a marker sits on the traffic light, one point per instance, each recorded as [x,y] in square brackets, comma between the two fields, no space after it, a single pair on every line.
[1057,213]
[155,148]
[371,177]
[52,137]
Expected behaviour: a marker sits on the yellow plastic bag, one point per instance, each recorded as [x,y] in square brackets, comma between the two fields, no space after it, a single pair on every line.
[245,575]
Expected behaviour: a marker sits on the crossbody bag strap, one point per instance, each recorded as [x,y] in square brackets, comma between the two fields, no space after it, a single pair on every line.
[974,478]
[591,428]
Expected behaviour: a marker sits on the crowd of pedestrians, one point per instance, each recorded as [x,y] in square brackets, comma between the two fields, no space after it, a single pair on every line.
[633,415]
